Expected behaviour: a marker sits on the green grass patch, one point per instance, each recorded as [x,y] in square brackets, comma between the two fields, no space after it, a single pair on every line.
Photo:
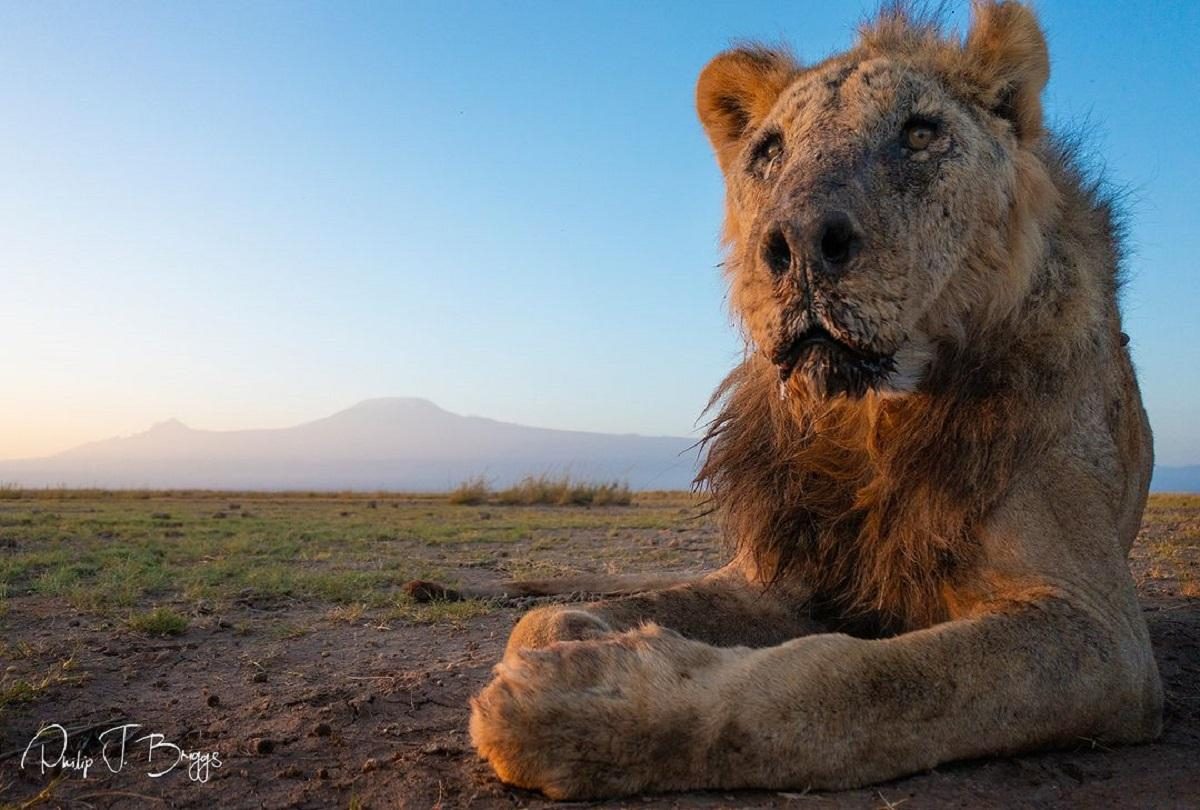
[113,553]
[161,621]
[406,610]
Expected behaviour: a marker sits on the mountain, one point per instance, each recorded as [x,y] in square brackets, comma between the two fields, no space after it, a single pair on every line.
[384,444]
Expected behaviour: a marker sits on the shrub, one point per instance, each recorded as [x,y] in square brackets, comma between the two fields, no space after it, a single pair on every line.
[545,490]
[471,492]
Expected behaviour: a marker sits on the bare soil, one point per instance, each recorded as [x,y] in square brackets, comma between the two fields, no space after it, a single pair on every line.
[311,708]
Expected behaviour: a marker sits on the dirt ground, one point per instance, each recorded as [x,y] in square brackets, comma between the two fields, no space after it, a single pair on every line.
[310,707]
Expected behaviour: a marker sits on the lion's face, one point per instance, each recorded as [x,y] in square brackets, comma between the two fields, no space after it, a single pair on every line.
[856,199]
[869,197]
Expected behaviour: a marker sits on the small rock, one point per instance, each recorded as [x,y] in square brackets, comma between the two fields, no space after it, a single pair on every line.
[290,772]
[370,765]
[259,677]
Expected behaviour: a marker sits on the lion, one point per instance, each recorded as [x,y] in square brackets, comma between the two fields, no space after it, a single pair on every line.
[931,463]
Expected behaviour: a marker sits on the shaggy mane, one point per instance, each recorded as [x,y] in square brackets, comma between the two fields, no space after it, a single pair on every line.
[875,503]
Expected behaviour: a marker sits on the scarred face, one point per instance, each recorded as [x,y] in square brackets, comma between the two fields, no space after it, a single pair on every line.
[861,193]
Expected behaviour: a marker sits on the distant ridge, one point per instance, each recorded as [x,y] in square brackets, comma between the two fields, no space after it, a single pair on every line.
[396,443]
[391,443]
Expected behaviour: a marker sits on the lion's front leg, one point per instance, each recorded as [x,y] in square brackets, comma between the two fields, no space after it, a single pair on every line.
[651,711]
[727,608]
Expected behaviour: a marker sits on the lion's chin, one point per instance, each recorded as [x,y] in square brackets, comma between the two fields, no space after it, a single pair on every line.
[828,368]
[828,373]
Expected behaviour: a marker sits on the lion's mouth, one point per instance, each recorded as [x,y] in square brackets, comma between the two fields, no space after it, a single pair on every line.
[830,365]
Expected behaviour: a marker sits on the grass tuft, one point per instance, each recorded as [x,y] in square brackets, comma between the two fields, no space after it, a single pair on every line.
[161,621]
[564,491]
[21,690]
[471,492]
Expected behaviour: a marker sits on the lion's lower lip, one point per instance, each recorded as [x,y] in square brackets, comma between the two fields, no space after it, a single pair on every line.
[815,338]
[831,366]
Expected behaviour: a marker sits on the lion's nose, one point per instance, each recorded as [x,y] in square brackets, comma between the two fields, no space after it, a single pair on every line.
[837,240]
[826,245]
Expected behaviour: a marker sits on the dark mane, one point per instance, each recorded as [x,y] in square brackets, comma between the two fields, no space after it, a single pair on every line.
[875,502]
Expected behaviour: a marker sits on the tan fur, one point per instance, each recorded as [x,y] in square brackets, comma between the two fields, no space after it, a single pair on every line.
[929,503]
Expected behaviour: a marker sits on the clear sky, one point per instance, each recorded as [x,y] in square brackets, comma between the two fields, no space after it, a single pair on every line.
[254,214]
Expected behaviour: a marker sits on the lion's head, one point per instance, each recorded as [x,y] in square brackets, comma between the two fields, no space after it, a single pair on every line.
[880,203]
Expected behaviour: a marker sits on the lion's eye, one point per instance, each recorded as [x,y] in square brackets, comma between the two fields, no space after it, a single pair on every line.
[765,154]
[919,133]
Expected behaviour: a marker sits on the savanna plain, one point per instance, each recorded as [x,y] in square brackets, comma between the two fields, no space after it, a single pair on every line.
[274,630]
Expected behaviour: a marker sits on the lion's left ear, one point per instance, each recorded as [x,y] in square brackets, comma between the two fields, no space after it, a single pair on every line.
[1007,59]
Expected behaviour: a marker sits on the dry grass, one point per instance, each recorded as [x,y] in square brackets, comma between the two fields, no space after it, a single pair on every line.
[542,490]
[563,491]
[471,492]
[22,690]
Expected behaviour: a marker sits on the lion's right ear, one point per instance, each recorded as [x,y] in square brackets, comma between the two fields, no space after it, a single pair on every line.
[736,90]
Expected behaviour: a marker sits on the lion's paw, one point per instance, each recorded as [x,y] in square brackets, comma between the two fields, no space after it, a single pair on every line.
[544,626]
[599,718]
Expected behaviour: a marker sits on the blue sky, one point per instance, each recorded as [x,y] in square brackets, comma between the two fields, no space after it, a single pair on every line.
[253,214]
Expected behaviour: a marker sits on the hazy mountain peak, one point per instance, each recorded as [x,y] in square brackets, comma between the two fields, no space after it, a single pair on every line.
[398,405]
[168,426]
